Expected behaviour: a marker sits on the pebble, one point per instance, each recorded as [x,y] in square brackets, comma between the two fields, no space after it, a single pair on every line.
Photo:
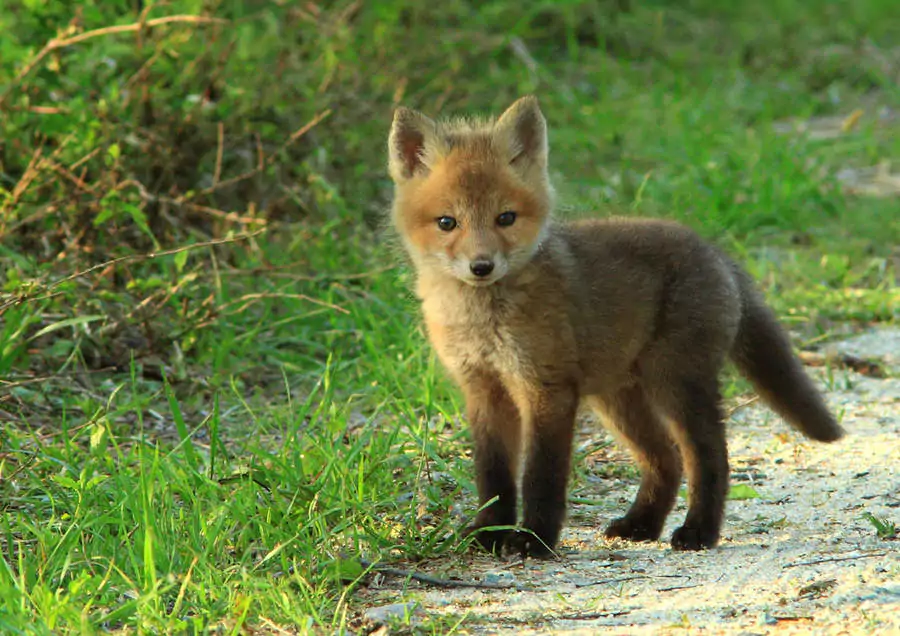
[385,613]
[503,577]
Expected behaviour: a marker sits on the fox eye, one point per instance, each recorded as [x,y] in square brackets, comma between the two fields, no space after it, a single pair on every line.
[446,223]
[506,219]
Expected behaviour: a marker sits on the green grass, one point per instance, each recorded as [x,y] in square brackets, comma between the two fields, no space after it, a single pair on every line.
[210,439]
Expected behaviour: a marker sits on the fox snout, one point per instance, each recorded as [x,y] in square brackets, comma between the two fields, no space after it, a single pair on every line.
[482,266]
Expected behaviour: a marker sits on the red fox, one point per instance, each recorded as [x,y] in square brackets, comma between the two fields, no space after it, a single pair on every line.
[533,317]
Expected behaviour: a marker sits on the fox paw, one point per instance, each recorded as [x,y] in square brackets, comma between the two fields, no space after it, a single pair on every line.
[525,544]
[686,538]
[633,529]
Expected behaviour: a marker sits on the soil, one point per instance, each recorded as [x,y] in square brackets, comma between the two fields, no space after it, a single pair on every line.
[802,557]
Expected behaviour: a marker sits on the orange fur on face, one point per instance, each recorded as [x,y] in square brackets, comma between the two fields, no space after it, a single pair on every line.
[474,186]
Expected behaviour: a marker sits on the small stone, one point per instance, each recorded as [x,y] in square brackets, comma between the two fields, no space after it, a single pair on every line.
[768,619]
[882,594]
[503,577]
[385,613]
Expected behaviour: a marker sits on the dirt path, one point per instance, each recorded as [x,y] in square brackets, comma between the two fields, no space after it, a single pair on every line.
[801,558]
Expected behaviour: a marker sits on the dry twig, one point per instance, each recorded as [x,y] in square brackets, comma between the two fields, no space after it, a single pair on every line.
[46,292]
[439,582]
[855,557]
[263,160]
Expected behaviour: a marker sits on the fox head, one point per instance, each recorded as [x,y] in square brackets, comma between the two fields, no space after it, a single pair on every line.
[472,199]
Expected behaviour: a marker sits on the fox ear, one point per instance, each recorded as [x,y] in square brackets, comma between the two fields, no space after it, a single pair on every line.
[410,132]
[525,130]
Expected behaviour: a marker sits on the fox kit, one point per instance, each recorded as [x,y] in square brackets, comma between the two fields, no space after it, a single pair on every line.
[532,317]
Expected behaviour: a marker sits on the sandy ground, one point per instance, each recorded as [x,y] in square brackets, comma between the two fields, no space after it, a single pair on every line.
[801,558]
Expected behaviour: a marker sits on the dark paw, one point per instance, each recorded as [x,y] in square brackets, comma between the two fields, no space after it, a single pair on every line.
[526,544]
[632,529]
[490,540]
[685,538]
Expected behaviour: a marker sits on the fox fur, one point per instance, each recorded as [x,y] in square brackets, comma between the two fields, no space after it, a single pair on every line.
[533,317]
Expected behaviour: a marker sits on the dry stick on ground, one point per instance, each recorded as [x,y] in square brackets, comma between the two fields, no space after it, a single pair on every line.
[141,73]
[265,161]
[31,172]
[677,587]
[439,582]
[636,577]
[180,202]
[130,258]
[869,555]
[737,407]
[58,43]
[249,299]
[842,360]
[621,579]
[6,383]
[272,272]
[139,43]
[36,165]
[592,616]
[220,148]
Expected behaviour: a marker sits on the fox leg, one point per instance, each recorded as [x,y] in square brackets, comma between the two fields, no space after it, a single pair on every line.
[551,423]
[697,422]
[630,416]
[497,432]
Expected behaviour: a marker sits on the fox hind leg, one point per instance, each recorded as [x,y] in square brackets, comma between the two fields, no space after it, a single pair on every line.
[630,416]
[697,422]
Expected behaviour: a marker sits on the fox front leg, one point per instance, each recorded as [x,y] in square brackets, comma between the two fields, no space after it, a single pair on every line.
[544,483]
[497,432]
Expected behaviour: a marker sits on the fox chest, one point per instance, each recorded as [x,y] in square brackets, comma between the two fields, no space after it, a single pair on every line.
[476,344]
[498,337]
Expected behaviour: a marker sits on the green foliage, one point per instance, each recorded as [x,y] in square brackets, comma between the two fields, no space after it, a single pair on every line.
[216,400]
[884,527]
[737,492]
[741,492]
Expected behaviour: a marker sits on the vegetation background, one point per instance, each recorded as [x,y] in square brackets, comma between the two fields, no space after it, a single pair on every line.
[217,405]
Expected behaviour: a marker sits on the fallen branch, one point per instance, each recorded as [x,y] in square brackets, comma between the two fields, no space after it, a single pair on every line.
[622,579]
[835,559]
[130,258]
[181,202]
[248,299]
[593,616]
[737,407]
[844,361]
[678,587]
[7,383]
[265,161]
[35,166]
[439,582]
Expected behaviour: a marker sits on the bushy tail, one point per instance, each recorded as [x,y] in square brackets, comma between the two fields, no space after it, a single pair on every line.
[762,352]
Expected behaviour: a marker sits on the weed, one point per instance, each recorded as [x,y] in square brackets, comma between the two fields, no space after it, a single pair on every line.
[884,527]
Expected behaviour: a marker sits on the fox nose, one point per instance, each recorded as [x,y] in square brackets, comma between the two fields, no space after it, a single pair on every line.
[481,267]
